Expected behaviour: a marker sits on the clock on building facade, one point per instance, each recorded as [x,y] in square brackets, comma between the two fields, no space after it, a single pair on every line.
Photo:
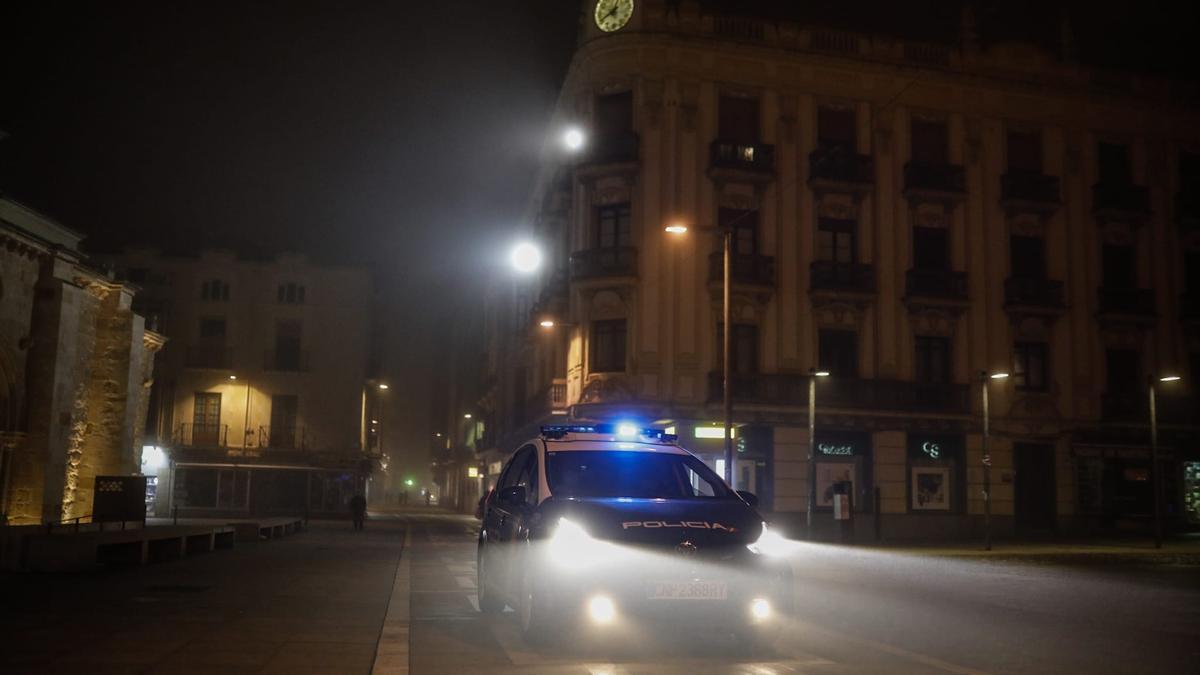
[612,15]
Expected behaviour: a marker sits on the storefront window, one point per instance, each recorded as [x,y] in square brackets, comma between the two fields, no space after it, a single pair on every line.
[1191,492]
[935,472]
[843,457]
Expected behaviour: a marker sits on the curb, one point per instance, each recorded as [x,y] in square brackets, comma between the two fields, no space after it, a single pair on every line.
[392,650]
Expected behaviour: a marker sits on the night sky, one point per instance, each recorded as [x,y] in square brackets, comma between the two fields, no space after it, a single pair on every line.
[399,135]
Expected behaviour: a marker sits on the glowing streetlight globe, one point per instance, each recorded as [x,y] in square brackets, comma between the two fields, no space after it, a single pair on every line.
[573,138]
[525,258]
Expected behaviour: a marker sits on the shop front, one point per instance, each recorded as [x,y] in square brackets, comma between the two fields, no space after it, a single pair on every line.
[843,461]
[936,474]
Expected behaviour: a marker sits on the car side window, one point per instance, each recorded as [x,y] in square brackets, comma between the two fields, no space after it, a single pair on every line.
[508,477]
[526,473]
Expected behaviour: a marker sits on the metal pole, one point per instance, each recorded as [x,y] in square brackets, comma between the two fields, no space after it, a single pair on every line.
[812,446]
[727,390]
[1154,473]
[987,473]
[246,428]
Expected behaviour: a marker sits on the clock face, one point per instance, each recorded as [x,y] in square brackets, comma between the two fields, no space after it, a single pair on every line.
[612,15]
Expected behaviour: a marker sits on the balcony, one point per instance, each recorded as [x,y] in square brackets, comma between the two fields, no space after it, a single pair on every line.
[1121,202]
[858,394]
[613,149]
[285,361]
[836,168]
[1126,303]
[190,435]
[947,285]
[1132,404]
[210,357]
[751,161]
[284,438]
[550,400]
[1034,294]
[599,263]
[1029,191]
[935,182]
[748,269]
[834,277]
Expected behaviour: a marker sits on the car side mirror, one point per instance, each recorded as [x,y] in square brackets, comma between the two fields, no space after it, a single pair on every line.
[514,495]
[748,497]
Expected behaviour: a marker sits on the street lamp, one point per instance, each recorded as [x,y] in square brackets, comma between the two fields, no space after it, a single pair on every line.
[525,258]
[1155,477]
[984,378]
[726,232]
[813,374]
[382,386]
[573,139]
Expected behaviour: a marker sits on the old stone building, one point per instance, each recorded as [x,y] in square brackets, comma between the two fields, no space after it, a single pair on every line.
[265,400]
[911,213]
[75,371]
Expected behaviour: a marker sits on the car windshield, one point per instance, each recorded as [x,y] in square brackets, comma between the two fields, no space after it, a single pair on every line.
[637,475]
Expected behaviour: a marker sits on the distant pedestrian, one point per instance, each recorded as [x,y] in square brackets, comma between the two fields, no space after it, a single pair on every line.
[358,509]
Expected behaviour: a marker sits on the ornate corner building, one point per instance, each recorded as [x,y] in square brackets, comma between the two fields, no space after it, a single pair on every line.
[76,365]
[906,214]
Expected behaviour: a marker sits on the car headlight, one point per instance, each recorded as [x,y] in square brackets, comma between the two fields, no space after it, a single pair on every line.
[770,543]
[572,547]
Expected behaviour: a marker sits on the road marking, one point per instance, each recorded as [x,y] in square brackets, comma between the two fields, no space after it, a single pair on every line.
[474,600]
[465,581]
[922,659]
[392,648]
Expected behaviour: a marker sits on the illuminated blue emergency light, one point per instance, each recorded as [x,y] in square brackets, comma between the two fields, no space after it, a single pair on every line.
[621,430]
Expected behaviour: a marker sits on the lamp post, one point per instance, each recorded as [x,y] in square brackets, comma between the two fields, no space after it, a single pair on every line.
[726,232]
[813,374]
[1155,474]
[984,378]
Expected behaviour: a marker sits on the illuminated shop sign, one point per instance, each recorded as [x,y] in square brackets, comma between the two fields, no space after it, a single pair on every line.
[939,448]
[835,449]
[843,444]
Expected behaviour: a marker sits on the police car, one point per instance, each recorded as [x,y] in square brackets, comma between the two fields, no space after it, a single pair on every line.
[604,525]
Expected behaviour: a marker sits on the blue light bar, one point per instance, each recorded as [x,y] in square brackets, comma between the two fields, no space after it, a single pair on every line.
[557,431]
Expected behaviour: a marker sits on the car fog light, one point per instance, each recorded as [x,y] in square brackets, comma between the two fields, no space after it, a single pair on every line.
[760,609]
[601,609]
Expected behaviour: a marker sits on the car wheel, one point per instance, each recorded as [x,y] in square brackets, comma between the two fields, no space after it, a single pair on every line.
[489,601]
[535,616]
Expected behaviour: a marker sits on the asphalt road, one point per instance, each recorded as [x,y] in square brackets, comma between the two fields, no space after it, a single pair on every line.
[857,611]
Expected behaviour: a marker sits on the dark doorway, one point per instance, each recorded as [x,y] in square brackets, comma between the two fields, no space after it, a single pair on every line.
[1034,486]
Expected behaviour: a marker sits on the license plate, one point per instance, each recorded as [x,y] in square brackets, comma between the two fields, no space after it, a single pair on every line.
[688,590]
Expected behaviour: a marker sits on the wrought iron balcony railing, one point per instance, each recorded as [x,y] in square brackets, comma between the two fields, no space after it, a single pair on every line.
[942,284]
[612,149]
[286,360]
[189,435]
[1126,301]
[1120,199]
[744,155]
[1018,186]
[834,392]
[943,179]
[748,268]
[835,165]
[825,275]
[283,438]
[209,356]
[1033,292]
[604,262]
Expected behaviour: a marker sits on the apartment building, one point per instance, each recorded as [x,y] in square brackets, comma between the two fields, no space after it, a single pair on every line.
[265,400]
[910,214]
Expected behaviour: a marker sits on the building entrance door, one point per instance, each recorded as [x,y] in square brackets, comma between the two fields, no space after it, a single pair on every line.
[1034,486]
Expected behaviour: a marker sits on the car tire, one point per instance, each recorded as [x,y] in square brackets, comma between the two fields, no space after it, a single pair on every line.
[489,601]
[536,618]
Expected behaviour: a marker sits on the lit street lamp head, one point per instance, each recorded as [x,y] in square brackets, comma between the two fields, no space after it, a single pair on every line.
[467,416]
[546,323]
[573,139]
[821,373]
[1170,378]
[998,376]
[233,377]
[383,386]
[677,228]
[525,258]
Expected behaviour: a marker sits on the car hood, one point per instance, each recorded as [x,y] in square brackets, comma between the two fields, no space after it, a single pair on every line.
[708,524]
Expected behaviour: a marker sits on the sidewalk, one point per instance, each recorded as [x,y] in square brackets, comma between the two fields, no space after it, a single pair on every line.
[314,602]
[1174,551]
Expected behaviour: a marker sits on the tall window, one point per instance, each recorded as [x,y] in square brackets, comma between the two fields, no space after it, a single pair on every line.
[290,293]
[284,413]
[1030,370]
[1113,163]
[212,330]
[745,229]
[1028,257]
[931,248]
[613,226]
[214,290]
[206,418]
[614,115]
[608,346]
[738,119]
[288,356]
[836,128]
[1024,151]
[744,344]
[1122,368]
[838,352]
[930,142]
[933,360]
[1118,266]
[836,241]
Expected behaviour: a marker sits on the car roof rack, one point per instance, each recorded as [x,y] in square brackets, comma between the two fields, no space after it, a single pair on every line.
[624,431]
